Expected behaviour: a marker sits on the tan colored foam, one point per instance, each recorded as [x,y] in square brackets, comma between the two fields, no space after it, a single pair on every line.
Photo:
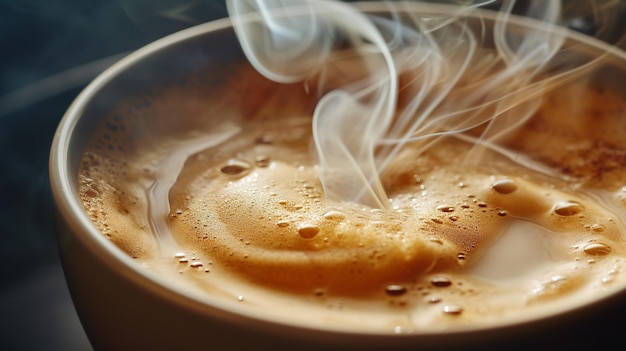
[273,229]
[269,231]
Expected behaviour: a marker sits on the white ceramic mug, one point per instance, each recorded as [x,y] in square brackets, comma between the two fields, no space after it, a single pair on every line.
[124,306]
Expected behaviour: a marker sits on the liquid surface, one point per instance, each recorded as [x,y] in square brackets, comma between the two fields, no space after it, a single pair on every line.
[227,205]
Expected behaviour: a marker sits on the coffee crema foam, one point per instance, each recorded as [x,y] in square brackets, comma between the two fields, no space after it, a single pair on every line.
[226,202]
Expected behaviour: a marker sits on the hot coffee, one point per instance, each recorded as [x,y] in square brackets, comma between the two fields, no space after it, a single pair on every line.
[224,199]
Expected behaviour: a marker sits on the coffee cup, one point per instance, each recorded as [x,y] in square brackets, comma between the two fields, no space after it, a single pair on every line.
[161,95]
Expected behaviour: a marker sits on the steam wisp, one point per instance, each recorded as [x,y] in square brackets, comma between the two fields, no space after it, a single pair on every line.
[426,74]
[294,48]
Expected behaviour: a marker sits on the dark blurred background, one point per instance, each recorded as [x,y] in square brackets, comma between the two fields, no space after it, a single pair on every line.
[49,50]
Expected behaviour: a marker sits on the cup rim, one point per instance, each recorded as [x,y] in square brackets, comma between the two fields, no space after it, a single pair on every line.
[70,208]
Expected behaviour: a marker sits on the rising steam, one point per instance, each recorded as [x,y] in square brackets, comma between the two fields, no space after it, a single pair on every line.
[425,75]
